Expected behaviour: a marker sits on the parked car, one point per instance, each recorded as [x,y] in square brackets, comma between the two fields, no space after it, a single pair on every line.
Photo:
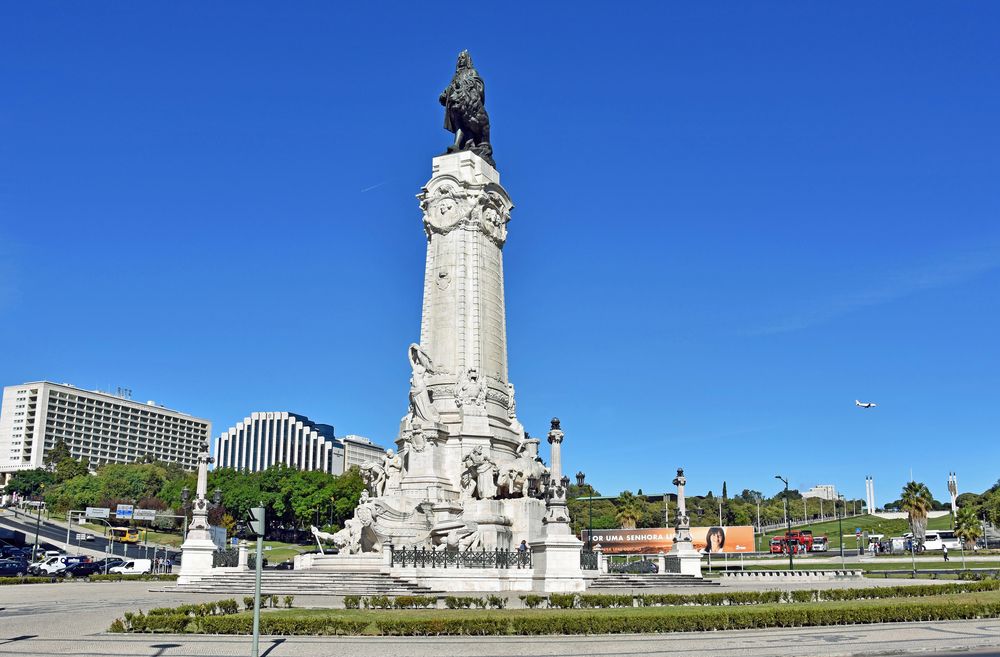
[820,544]
[285,565]
[54,565]
[133,567]
[105,565]
[82,569]
[12,568]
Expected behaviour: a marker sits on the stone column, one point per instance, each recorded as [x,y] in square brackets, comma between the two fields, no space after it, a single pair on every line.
[242,560]
[197,550]
[555,458]
[683,559]
[557,559]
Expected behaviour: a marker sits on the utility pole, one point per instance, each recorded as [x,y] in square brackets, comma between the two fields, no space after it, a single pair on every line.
[788,522]
[257,526]
[38,520]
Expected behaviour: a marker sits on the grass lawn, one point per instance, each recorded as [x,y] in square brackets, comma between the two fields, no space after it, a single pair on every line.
[871,524]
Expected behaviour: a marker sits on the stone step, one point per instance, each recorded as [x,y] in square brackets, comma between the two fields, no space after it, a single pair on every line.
[307,583]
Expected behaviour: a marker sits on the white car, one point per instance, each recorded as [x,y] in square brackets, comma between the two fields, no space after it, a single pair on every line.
[84,537]
[134,567]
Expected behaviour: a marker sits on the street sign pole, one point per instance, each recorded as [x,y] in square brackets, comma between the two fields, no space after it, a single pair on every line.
[257,526]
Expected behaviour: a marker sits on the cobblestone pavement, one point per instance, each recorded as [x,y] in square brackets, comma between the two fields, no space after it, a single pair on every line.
[69,619]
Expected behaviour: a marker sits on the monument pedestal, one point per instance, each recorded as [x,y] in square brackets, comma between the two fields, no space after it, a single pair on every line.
[556,561]
[196,557]
[683,563]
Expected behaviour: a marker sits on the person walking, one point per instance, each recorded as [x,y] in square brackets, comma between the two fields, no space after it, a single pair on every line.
[944,550]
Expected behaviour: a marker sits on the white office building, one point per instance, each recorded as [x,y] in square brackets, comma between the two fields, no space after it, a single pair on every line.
[268,438]
[103,427]
[823,491]
[359,450]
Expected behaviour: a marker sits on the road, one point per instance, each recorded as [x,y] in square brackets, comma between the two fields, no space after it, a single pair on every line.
[56,534]
[46,620]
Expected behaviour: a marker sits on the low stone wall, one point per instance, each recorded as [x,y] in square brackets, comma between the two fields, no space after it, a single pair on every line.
[486,580]
[793,575]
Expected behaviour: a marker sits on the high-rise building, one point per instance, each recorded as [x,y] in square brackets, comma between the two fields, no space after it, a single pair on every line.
[265,439]
[359,450]
[103,427]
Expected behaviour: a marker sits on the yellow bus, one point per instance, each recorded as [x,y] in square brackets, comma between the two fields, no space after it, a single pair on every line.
[124,535]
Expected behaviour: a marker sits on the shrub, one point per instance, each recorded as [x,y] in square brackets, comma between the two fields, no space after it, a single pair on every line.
[228,606]
[462,602]
[378,602]
[352,601]
[248,602]
[532,601]
[413,602]
[496,601]
[288,601]
[562,600]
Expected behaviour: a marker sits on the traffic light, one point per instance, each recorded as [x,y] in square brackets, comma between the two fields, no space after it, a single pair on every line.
[255,521]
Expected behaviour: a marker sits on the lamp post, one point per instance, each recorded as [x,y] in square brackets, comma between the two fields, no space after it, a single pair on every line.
[840,526]
[38,520]
[788,522]
[580,477]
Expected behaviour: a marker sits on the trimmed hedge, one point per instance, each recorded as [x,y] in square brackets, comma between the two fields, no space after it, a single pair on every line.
[584,623]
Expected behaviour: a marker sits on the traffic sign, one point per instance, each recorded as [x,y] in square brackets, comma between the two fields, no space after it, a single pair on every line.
[144,514]
[124,511]
[255,520]
[97,512]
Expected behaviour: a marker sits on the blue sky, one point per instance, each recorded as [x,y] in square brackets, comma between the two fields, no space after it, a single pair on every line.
[733,219]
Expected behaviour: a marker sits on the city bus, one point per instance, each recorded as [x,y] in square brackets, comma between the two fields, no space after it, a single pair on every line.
[124,535]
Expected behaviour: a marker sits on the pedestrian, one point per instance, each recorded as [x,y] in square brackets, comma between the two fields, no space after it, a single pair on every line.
[944,550]
[169,564]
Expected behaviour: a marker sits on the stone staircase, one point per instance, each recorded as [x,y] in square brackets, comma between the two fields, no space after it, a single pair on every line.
[612,581]
[290,582]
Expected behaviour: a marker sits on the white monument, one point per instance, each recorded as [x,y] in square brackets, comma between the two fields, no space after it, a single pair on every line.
[682,559]
[198,547]
[464,475]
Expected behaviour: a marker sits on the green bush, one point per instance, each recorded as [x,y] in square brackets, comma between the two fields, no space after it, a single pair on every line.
[604,601]
[352,601]
[562,600]
[496,601]
[248,602]
[288,601]
[463,602]
[413,602]
[378,602]
[228,606]
[532,601]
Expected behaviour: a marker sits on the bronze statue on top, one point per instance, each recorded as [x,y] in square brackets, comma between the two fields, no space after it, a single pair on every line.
[465,110]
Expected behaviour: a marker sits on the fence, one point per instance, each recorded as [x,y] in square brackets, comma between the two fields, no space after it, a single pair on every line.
[424,558]
[588,560]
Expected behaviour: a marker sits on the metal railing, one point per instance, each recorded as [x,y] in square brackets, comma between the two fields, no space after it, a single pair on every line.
[588,560]
[424,558]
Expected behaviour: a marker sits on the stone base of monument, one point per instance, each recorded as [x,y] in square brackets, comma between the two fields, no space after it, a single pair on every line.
[196,558]
[683,563]
[347,563]
[556,562]
[492,523]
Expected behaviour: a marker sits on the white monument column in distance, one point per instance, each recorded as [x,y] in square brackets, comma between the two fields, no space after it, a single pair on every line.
[682,559]
[556,559]
[198,547]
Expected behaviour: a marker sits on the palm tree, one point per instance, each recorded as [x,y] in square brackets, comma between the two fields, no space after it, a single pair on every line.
[967,526]
[916,500]
[629,510]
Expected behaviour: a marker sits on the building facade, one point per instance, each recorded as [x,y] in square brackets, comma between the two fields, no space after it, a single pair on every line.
[102,427]
[359,450]
[268,438]
[822,491]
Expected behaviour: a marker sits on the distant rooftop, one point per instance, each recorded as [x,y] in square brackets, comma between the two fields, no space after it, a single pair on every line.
[109,395]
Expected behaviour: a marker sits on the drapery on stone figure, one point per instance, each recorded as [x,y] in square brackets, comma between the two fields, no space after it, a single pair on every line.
[483,469]
[465,114]
[421,406]
[393,466]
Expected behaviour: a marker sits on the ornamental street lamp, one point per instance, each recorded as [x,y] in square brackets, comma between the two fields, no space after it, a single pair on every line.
[788,521]
[840,525]
[580,477]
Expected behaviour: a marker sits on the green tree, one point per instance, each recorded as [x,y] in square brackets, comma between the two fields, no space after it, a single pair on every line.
[68,468]
[629,510]
[28,483]
[967,526]
[725,495]
[58,453]
[916,501]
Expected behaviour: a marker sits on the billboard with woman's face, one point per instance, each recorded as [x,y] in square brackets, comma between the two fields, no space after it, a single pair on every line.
[708,540]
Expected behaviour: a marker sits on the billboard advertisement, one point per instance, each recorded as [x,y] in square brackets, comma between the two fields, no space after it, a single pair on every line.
[715,540]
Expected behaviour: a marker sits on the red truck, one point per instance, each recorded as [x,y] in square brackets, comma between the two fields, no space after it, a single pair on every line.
[800,541]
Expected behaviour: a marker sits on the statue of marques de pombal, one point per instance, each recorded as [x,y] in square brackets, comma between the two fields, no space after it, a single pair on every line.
[465,114]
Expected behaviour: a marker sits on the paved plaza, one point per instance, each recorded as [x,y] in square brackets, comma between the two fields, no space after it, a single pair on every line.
[70,619]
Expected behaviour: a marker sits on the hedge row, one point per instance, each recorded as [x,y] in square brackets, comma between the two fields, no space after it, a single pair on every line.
[582,623]
[90,578]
